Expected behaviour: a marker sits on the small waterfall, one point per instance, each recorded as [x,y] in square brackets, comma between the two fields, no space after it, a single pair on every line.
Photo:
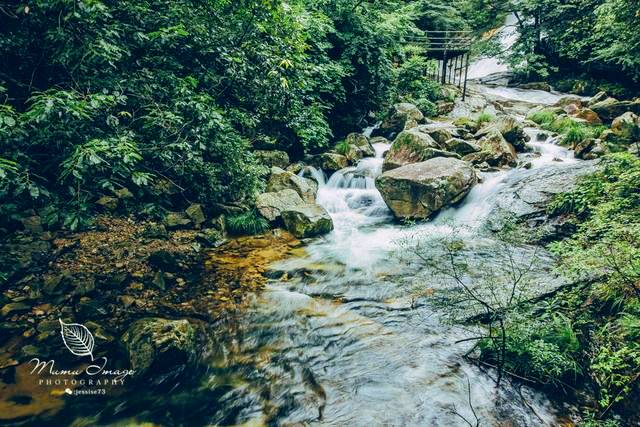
[508,35]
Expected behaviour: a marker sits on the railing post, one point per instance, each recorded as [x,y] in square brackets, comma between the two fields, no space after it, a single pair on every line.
[466,71]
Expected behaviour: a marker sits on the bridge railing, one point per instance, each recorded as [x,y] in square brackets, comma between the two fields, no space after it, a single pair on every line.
[450,48]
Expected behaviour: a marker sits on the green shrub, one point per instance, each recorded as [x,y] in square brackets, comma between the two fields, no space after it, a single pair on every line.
[247,223]
[342,147]
[484,117]
[544,117]
[575,134]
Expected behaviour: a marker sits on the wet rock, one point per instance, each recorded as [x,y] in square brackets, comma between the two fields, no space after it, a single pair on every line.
[271,205]
[155,231]
[210,237]
[589,149]
[83,285]
[627,126]
[418,190]
[196,214]
[397,118]
[272,158]
[108,203]
[88,308]
[461,146]
[160,344]
[362,143]
[295,167]
[412,146]
[329,162]
[307,220]
[173,220]
[495,151]
[611,108]
[281,180]
[526,195]
[510,130]
[55,284]
[14,308]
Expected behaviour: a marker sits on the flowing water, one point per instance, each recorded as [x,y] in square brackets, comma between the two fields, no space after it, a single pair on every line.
[345,335]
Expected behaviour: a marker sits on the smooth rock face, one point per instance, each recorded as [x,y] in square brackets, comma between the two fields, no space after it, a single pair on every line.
[627,126]
[418,190]
[600,96]
[307,220]
[362,143]
[510,130]
[412,146]
[496,151]
[160,343]
[282,180]
[271,205]
[527,195]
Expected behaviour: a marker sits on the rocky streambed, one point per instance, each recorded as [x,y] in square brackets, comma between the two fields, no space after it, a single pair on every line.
[331,322]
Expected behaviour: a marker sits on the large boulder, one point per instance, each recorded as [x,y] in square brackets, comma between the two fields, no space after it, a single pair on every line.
[611,108]
[272,204]
[589,149]
[307,220]
[160,344]
[272,158]
[495,151]
[509,128]
[418,190]
[627,126]
[281,180]
[412,146]
[397,119]
[329,162]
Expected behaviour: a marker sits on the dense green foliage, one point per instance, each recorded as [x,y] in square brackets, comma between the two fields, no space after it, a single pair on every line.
[590,333]
[598,37]
[101,95]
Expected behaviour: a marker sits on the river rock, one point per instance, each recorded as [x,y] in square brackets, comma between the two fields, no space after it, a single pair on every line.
[495,151]
[159,343]
[272,204]
[535,86]
[307,220]
[397,118]
[526,195]
[362,143]
[329,162]
[589,149]
[598,97]
[461,146]
[611,108]
[281,180]
[418,190]
[568,100]
[272,158]
[196,214]
[510,130]
[589,115]
[627,126]
[412,146]
[173,220]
